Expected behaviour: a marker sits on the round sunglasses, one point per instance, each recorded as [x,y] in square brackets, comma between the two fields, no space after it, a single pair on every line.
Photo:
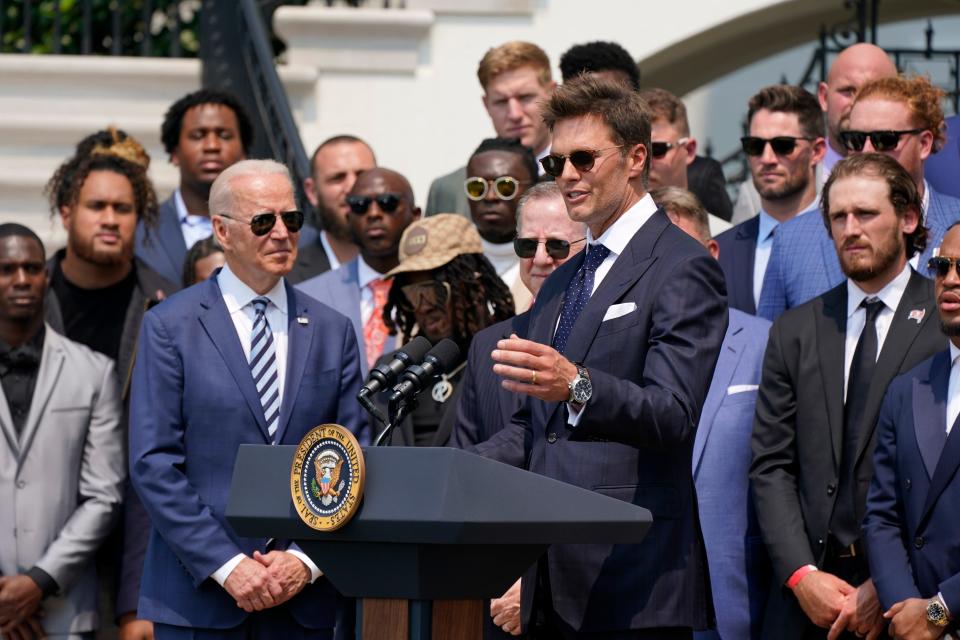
[262,223]
[504,187]
[581,159]
[881,140]
[556,248]
[388,203]
[781,145]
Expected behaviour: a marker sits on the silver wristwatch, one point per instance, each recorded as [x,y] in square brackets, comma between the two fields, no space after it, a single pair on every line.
[580,387]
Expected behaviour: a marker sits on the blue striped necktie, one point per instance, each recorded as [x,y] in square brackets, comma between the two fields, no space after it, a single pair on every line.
[263,365]
[578,293]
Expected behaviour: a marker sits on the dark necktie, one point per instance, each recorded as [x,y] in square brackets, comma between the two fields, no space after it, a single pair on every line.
[577,294]
[847,521]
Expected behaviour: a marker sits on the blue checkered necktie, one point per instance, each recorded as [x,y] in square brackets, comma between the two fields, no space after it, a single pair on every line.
[263,365]
[577,294]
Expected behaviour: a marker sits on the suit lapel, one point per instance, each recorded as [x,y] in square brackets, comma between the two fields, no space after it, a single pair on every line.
[170,236]
[901,335]
[743,260]
[831,327]
[946,466]
[930,412]
[218,325]
[299,341]
[51,363]
[6,426]
[730,355]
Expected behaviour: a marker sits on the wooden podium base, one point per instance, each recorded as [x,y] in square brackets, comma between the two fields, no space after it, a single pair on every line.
[394,619]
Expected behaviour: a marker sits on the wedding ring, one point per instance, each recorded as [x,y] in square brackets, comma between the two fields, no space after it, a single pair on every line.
[534,379]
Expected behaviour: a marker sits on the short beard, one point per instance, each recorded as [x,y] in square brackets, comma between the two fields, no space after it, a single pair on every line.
[87,253]
[788,190]
[333,224]
[885,256]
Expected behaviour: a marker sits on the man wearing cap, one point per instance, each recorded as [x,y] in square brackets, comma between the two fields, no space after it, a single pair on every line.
[622,344]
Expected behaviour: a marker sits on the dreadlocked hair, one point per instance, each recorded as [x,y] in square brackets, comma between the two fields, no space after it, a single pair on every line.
[478,299]
[64,187]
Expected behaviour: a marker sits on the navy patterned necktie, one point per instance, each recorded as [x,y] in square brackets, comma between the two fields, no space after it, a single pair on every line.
[263,365]
[577,294]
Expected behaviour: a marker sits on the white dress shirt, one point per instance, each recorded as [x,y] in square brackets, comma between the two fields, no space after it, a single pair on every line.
[953,388]
[365,275]
[615,238]
[857,316]
[327,249]
[193,227]
[239,298]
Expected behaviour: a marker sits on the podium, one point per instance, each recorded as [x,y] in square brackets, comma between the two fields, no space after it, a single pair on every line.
[439,528]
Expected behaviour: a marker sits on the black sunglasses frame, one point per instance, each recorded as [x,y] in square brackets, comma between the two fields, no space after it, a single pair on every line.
[856,140]
[940,266]
[557,248]
[388,203]
[263,223]
[582,160]
[781,145]
[660,149]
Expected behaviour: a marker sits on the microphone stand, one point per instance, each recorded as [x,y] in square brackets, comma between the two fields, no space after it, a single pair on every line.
[364,399]
[398,410]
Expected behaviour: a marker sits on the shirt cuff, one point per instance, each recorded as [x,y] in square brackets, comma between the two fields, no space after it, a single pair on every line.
[314,569]
[221,574]
[944,603]
[574,414]
[48,586]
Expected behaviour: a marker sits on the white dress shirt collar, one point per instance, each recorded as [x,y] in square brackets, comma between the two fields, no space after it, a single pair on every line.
[365,273]
[327,249]
[890,294]
[620,233]
[237,294]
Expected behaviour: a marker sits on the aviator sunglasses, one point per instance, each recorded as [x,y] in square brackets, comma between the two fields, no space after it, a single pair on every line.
[388,203]
[582,160]
[940,265]
[504,187]
[881,140]
[556,248]
[262,223]
[781,145]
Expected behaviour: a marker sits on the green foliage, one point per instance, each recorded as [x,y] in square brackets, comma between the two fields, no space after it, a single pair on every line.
[159,28]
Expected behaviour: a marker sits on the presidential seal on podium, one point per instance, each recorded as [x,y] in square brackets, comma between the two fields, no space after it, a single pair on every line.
[326,479]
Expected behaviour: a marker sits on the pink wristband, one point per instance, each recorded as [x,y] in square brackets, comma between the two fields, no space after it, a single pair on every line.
[799,574]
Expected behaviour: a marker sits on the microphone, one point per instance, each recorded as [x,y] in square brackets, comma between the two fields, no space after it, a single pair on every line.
[385,375]
[441,359]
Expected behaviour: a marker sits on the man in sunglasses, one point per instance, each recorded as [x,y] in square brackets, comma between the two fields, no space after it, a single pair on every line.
[827,366]
[911,534]
[621,347]
[334,168]
[381,208]
[899,117]
[498,174]
[783,147]
[240,358]
[516,79]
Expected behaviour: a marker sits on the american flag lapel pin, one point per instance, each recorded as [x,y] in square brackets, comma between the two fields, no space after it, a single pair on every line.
[917,314]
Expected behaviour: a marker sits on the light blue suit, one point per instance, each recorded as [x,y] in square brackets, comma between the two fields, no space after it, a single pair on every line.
[340,290]
[804,264]
[739,566]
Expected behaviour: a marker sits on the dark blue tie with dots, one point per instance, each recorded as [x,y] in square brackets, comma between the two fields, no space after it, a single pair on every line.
[577,294]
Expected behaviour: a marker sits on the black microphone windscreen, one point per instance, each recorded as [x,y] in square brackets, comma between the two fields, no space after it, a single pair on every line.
[447,353]
[417,349]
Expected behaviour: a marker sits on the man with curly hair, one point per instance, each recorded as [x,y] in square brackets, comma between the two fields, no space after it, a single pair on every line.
[204,132]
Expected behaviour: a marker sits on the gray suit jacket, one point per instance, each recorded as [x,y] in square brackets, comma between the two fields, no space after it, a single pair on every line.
[61,481]
[447,195]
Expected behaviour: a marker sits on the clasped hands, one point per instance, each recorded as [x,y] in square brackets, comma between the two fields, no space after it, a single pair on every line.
[266,580]
[20,608]
[533,368]
[835,604]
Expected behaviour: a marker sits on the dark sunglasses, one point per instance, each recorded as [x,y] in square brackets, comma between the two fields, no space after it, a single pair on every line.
[881,140]
[940,265]
[388,203]
[781,145]
[431,293]
[581,159]
[659,149]
[556,248]
[504,187]
[262,223]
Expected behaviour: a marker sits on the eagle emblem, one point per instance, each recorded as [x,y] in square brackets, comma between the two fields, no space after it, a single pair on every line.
[327,477]
[327,467]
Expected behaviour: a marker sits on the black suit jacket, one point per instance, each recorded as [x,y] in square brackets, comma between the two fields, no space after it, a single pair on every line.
[311,258]
[706,180]
[650,367]
[738,248]
[798,431]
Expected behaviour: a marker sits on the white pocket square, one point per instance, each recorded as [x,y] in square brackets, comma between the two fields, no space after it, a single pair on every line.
[617,310]
[741,388]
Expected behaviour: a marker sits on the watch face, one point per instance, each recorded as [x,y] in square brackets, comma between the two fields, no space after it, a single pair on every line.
[582,390]
[936,614]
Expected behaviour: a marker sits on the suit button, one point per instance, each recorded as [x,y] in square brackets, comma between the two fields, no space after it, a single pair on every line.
[551,437]
[831,489]
[819,542]
[908,484]
[918,542]
[21,484]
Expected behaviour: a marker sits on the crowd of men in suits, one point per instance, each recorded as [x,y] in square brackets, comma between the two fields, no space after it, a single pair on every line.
[779,394]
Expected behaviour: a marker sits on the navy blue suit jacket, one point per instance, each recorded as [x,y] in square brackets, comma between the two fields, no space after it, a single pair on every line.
[650,370]
[739,565]
[942,169]
[804,264]
[911,523]
[164,249]
[485,407]
[738,248]
[194,403]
